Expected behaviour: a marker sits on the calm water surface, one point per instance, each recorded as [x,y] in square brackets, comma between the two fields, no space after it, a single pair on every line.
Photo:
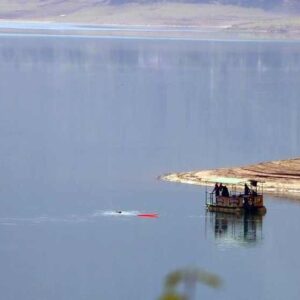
[86,126]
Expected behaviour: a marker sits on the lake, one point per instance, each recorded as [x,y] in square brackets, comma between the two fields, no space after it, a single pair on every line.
[86,127]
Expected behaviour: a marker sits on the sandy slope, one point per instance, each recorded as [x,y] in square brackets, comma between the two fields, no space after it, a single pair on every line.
[280,177]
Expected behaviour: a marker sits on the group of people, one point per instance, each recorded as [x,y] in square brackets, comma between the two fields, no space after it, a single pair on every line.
[221,190]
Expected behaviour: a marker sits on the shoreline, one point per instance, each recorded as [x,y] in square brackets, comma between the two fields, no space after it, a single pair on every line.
[159,20]
[191,32]
[280,178]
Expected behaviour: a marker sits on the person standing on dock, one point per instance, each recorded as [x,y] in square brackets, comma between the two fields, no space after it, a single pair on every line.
[220,188]
[225,192]
[216,190]
[246,189]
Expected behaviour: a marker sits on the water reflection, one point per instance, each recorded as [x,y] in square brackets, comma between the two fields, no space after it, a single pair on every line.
[234,229]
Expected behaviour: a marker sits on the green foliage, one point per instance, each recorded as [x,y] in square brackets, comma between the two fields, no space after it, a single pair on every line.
[189,278]
[172,296]
[197,276]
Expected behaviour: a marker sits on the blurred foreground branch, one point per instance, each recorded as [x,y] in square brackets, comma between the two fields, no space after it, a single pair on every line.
[188,279]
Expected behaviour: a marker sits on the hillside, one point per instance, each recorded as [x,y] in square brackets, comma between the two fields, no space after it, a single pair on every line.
[260,18]
[280,177]
[30,6]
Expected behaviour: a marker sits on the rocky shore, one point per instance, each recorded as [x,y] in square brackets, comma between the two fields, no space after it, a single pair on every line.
[281,177]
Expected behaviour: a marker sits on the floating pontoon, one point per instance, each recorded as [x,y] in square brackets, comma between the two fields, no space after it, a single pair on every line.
[230,199]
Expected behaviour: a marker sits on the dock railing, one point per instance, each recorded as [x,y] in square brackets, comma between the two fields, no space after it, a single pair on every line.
[209,198]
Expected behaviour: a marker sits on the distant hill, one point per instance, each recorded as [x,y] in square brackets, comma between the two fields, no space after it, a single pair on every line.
[271,18]
[290,5]
[15,9]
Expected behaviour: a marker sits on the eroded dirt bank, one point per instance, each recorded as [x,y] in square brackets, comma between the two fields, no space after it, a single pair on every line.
[280,177]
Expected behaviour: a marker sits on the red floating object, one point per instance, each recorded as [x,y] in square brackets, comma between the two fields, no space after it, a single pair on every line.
[153,215]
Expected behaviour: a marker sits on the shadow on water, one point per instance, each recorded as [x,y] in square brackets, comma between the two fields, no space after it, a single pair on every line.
[233,229]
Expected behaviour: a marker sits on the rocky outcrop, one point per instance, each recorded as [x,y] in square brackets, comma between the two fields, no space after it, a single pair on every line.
[280,177]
